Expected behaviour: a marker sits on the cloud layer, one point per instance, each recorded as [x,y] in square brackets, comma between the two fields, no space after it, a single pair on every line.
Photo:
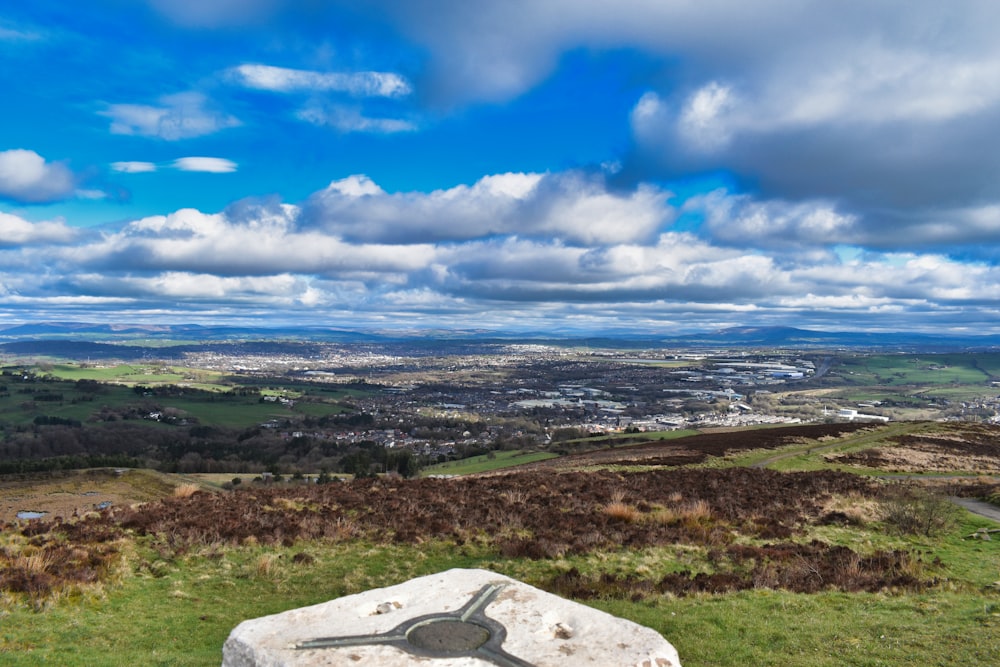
[511,251]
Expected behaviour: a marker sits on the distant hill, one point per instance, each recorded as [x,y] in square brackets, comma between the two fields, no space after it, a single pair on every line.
[78,340]
[791,337]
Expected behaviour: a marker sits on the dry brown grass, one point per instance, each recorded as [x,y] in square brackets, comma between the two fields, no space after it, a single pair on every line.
[514,496]
[855,506]
[39,561]
[694,511]
[266,565]
[290,504]
[186,490]
[622,511]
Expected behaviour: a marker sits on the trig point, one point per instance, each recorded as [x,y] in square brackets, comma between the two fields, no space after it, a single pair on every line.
[458,618]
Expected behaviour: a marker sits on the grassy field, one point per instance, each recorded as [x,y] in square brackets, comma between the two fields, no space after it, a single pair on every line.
[809,455]
[920,370]
[176,609]
[486,463]
[207,397]
[132,374]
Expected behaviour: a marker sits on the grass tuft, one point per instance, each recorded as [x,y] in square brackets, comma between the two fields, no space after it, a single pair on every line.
[186,490]
[622,511]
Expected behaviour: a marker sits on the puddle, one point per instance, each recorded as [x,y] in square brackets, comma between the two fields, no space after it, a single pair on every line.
[103,505]
[28,514]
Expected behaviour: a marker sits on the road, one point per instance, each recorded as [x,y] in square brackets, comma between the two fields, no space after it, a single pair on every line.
[978,507]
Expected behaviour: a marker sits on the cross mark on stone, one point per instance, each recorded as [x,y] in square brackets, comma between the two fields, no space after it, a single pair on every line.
[467,632]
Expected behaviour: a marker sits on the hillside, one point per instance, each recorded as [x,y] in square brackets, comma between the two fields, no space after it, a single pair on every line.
[626,529]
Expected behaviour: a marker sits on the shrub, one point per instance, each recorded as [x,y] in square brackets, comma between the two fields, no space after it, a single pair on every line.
[915,511]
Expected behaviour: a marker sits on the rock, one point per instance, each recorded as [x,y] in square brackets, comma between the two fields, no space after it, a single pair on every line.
[458,618]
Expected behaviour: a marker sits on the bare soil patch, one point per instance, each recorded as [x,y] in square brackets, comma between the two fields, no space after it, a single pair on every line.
[76,492]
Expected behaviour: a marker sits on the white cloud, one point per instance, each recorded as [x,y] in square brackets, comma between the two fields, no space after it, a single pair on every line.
[572,206]
[743,221]
[191,241]
[356,185]
[214,165]
[283,80]
[349,119]
[702,120]
[133,167]
[180,116]
[25,176]
[559,249]
[17,231]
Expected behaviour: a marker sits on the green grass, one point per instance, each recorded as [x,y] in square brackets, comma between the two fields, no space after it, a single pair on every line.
[19,404]
[229,412]
[767,628]
[484,463]
[131,374]
[919,370]
[319,408]
[177,609]
[808,455]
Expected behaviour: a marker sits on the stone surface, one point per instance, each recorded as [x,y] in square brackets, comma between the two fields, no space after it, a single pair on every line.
[458,618]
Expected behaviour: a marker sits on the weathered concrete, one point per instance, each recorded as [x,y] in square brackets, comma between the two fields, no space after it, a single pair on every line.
[458,618]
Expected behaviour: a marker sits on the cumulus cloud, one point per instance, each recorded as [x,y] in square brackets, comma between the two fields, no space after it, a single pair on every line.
[742,221]
[886,122]
[179,116]
[284,80]
[197,286]
[191,241]
[573,206]
[15,231]
[25,176]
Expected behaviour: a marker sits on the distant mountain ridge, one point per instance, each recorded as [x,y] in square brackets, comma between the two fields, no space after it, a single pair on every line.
[793,337]
[35,338]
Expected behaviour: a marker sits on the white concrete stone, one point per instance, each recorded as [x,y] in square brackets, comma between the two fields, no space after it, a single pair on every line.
[542,630]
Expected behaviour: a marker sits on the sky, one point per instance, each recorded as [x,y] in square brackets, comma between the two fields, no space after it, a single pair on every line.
[564,166]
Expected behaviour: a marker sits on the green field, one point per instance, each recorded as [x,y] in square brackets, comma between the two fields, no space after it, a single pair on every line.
[920,370]
[61,394]
[132,374]
[486,463]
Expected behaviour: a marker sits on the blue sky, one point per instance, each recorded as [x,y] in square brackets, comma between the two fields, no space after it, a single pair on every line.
[544,165]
